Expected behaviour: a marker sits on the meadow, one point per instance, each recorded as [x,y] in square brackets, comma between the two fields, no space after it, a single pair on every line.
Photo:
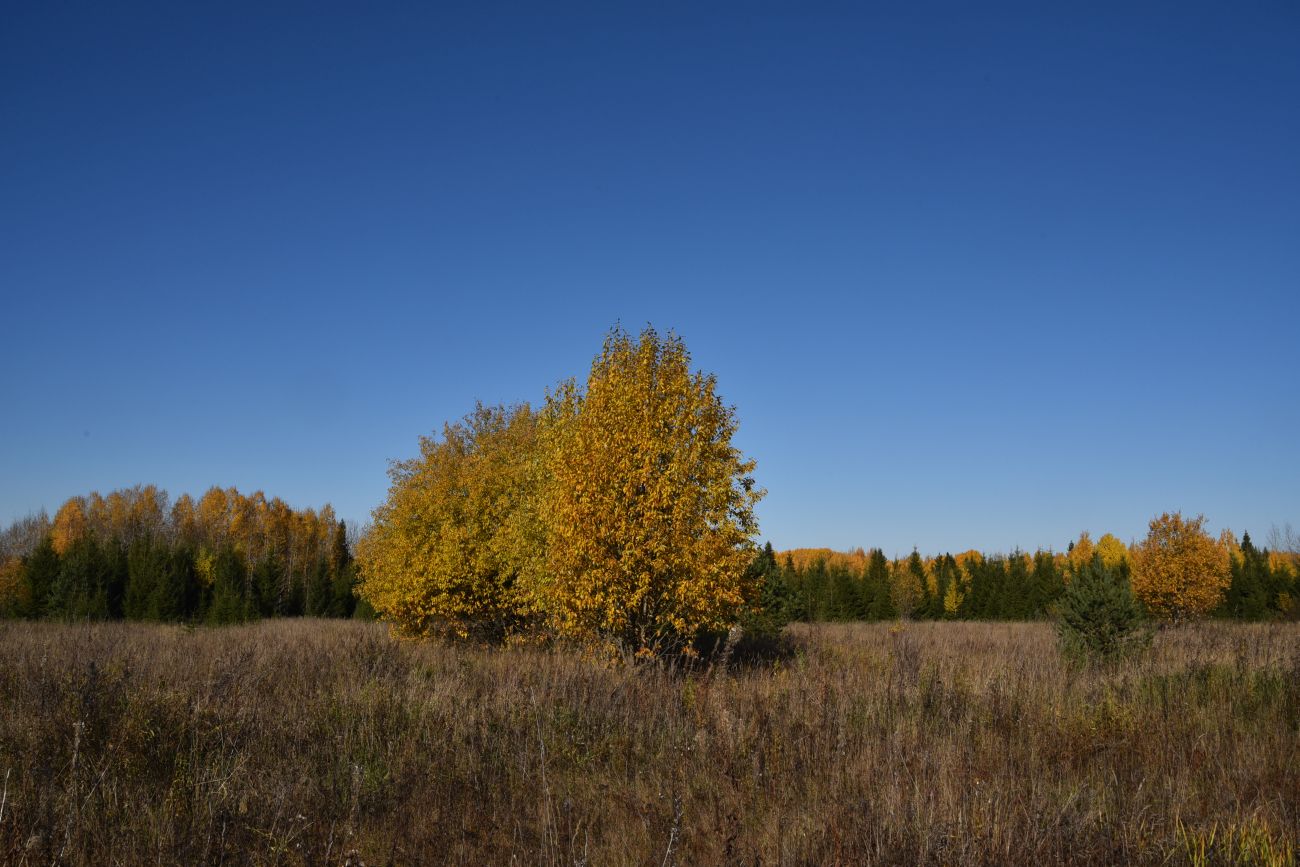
[307,741]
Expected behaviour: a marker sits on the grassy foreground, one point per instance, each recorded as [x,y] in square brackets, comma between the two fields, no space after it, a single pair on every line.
[326,742]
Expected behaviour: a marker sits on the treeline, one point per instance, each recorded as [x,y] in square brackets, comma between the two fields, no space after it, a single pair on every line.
[825,585]
[134,555]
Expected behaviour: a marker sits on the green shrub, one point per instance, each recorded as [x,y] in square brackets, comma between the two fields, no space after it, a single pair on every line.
[1100,619]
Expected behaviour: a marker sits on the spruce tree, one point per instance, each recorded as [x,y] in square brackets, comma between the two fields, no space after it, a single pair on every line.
[816,583]
[774,602]
[877,588]
[320,593]
[144,571]
[797,609]
[80,593]
[343,575]
[1015,601]
[1101,619]
[1046,584]
[230,603]
[41,571]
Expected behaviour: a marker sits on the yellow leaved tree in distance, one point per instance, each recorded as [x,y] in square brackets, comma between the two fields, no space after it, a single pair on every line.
[1179,571]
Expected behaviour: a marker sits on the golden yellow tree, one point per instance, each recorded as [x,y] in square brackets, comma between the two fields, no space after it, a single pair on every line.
[183,522]
[1081,553]
[1112,551]
[649,508]
[70,524]
[450,547]
[213,516]
[952,599]
[1179,571]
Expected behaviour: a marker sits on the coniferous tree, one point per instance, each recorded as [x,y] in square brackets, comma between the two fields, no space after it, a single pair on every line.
[117,575]
[774,601]
[41,572]
[145,570]
[1250,590]
[1045,584]
[294,602]
[230,603]
[982,589]
[176,589]
[877,587]
[797,608]
[265,584]
[816,581]
[320,592]
[81,592]
[343,575]
[845,594]
[1101,619]
[1014,601]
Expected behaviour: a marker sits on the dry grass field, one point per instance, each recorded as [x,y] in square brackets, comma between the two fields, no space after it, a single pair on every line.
[320,742]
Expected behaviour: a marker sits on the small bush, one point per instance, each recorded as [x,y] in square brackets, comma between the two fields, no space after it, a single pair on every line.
[1100,618]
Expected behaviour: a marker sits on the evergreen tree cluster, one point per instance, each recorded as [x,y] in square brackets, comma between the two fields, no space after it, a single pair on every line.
[1262,587]
[110,561]
[869,586]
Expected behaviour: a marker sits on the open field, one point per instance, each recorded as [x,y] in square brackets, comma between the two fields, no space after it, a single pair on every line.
[306,742]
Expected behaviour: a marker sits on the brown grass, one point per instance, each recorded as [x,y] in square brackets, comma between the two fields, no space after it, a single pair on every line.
[309,742]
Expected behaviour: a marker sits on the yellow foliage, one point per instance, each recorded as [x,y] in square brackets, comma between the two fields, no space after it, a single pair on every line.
[648,506]
[953,599]
[453,545]
[1228,542]
[905,587]
[1082,552]
[1112,551]
[1284,561]
[213,516]
[802,558]
[1178,570]
[183,521]
[15,593]
[621,513]
[205,566]
[70,524]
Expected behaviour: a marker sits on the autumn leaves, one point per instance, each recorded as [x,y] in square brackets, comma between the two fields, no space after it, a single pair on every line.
[619,512]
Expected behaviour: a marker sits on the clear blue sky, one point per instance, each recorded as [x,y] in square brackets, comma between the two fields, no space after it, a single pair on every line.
[973,276]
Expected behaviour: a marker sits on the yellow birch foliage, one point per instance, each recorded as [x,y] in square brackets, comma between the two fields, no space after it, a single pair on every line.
[451,547]
[1228,542]
[213,515]
[802,558]
[184,524]
[70,524]
[15,592]
[952,599]
[1112,551]
[1179,571]
[649,508]
[1081,554]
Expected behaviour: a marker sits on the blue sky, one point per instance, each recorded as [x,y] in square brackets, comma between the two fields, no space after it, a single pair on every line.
[973,276]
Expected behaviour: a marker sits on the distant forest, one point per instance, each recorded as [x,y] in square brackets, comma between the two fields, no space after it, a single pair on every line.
[229,558]
[826,585]
[135,555]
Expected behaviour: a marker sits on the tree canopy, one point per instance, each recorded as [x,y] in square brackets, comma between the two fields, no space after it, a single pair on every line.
[621,512]
[1179,570]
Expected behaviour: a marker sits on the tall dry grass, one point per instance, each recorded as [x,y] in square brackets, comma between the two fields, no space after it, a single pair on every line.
[319,742]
